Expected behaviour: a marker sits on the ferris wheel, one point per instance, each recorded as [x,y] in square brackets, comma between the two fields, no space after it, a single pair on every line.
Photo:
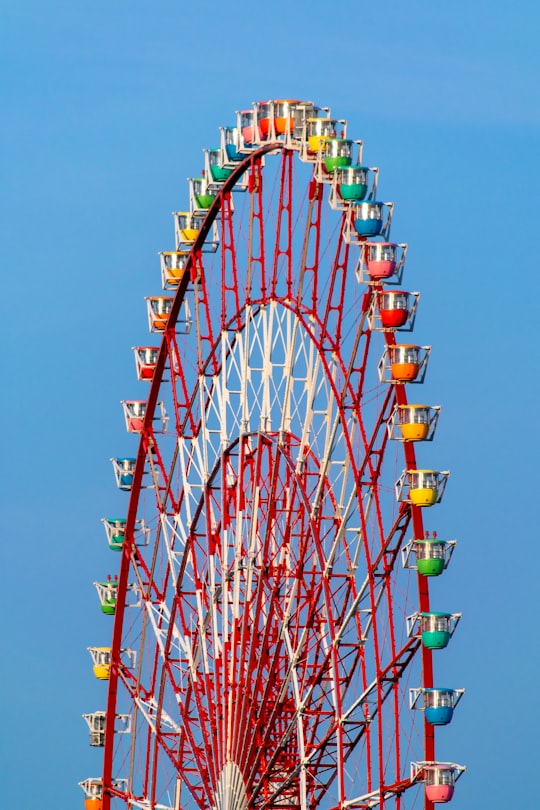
[274,637]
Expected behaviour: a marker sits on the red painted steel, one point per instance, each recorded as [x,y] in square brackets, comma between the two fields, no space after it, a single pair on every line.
[233,680]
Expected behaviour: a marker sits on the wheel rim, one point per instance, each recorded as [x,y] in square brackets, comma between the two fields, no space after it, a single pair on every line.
[272,650]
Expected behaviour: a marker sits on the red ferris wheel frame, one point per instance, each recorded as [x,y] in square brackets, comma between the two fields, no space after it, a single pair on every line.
[288,756]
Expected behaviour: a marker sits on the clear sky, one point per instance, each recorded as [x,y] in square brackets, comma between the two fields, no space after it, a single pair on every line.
[105,109]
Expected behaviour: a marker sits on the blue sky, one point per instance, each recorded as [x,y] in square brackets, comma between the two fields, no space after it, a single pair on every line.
[106,106]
